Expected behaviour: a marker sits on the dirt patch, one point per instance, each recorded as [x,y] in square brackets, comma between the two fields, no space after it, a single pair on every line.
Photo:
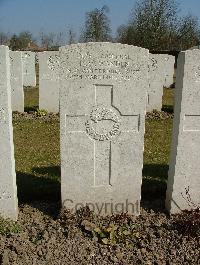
[159,115]
[50,237]
[36,115]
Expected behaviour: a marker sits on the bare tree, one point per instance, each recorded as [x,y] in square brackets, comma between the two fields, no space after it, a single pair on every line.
[97,26]
[188,33]
[155,24]
[47,40]
[4,38]
[151,23]
[21,41]
[60,39]
[25,37]
[71,36]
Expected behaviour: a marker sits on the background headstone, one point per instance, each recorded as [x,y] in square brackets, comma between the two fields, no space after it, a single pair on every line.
[37,57]
[169,70]
[156,80]
[49,81]
[16,80]
[28,59]
[102,105]
[183,190]
[8,189]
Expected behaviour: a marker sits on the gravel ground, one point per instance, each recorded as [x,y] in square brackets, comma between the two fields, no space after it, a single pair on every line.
[52,116]
[36,116]
[50,237]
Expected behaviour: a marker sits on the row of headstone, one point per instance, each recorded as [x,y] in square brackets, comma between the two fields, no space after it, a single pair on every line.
[103,89]
[161,74]
[22,73]
[161,71]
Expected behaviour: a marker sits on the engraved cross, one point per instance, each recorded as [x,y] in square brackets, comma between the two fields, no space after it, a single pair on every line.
[104,126]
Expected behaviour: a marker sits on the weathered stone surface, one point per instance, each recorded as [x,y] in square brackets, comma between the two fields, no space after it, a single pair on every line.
[49,81]
[156,81]
[16,81]
[102,104]
[169,69]
[184,173]
[8,190]
[29,68]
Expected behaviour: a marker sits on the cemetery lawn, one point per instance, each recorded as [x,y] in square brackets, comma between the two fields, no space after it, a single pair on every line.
[44,234]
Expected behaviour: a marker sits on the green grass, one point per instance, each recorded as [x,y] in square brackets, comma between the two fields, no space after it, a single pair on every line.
[156,158]
[31,99]
[168,99]
[37,155]
[31,94]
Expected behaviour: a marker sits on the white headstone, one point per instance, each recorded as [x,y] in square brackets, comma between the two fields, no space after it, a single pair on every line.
[169,70]
[29,68]
[102,104]
[184,178]
[8,189]
[156,80]
[49,81]
[16,80]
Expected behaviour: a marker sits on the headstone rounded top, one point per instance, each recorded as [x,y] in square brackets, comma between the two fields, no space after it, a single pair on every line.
[102,44]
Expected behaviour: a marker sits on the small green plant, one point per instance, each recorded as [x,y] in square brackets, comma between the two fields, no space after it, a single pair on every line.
[38,237]
[110,234]
[8,227]
[41,112]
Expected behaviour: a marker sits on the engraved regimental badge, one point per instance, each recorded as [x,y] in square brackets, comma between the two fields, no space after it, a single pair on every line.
[103,125]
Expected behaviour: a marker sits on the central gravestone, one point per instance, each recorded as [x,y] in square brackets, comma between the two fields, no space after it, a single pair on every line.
[102,104]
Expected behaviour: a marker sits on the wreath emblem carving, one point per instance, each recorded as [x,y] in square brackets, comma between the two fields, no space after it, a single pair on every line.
[100,114]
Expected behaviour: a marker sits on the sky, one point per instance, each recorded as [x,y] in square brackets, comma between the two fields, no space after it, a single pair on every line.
[58,15]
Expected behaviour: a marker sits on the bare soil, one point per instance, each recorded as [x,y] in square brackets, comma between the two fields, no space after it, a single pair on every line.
[51,237]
